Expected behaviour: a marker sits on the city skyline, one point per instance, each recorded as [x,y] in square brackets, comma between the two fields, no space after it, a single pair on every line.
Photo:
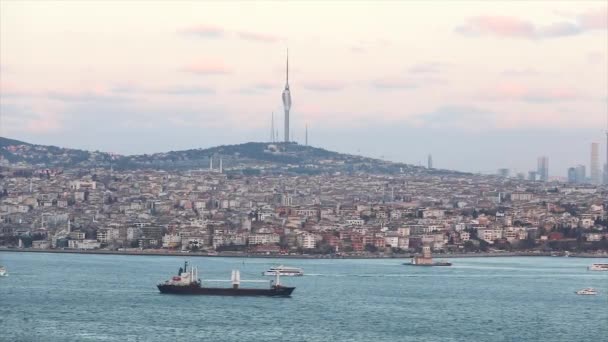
[475,90]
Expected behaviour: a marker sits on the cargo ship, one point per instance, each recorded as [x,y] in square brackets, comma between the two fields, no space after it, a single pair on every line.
[188,283]
[426,259]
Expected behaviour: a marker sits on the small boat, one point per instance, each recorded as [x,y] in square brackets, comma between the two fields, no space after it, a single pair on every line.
[587,292]
[284,271]
[3,272]
[598,267]
[188,283]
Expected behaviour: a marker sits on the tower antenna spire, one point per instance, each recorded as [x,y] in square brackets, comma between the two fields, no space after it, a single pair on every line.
[272,128]
[286,99]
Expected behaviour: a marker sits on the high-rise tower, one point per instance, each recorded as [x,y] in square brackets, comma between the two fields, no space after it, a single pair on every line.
[543,168]
[287,99]
[606,165]
[595,163]
[429,162]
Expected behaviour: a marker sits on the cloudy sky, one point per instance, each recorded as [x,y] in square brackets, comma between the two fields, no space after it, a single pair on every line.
[479,85]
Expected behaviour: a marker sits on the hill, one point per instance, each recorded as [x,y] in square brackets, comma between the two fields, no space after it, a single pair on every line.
[249,158]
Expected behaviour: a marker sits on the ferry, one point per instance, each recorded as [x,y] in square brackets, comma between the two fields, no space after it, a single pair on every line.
[284,271]
[3,271]
[587,292]
[598,267]
[186,282]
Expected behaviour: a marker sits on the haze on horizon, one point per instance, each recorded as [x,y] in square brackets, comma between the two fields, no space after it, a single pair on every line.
[479,85]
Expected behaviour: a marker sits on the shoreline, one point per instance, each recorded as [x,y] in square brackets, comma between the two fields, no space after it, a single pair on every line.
[262,256]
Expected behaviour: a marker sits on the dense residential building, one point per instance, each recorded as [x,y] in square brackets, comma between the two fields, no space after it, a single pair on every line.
[352,213]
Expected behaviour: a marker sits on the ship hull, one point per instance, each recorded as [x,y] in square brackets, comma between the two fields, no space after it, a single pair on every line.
[282,291]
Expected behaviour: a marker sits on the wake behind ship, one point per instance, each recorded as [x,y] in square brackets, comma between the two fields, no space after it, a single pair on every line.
[187,283]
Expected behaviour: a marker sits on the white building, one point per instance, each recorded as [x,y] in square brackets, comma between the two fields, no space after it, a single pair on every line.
[84,244]
[171,241]
[106,235]
[264,239]
[307,241]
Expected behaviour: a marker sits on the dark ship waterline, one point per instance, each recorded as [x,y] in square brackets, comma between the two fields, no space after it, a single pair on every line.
[187,283]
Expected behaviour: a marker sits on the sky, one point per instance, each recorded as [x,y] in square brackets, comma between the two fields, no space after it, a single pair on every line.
[480,85]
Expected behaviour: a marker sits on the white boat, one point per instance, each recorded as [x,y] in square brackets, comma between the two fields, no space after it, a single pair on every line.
[3,271]
[598,267]
[587,292]
[284,271]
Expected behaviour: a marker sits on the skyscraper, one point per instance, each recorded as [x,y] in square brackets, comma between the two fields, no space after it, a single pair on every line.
[287,100]
[594,166]
[429,162]
[571,175]
[543,168]
[606,165]
[581,174]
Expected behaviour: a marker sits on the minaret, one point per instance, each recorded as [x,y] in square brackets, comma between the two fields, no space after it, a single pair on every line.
[287,99]
[306,137]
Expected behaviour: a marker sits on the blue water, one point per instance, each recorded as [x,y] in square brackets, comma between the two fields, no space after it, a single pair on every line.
[68,297]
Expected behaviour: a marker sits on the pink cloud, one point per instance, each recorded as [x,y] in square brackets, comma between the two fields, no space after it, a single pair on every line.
[519,92]
[595,19]
[511,27]
[205,31]
[258,37]
[207,68]
[499,26]
[596,57]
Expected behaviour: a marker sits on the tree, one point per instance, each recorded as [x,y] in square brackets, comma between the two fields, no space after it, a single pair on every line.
[484,246]
[470,246]
[371,248]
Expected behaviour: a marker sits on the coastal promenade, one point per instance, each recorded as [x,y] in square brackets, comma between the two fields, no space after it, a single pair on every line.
[160,252]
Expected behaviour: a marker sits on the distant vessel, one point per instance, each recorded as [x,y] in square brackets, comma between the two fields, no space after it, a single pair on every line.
[598,267]
[587,292]
[426,259]
[3,271]
[186,283]
[284,271]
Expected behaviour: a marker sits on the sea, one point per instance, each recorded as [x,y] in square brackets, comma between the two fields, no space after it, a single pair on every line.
[83,297]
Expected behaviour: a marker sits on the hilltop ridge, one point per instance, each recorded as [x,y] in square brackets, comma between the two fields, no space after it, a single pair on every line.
[250,157]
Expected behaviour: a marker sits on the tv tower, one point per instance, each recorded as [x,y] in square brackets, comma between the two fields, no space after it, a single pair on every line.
[287,100]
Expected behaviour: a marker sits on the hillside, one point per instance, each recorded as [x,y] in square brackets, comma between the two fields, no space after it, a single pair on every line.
[251,157]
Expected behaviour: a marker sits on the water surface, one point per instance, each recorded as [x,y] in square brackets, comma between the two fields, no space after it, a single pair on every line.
[72,297]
